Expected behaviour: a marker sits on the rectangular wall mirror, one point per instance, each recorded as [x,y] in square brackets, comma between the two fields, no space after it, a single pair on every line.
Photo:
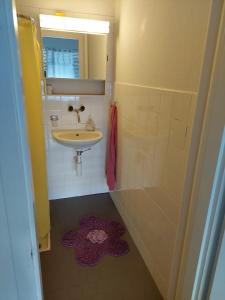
[75,58]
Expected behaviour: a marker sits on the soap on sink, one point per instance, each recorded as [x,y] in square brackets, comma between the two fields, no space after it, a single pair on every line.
[90,125]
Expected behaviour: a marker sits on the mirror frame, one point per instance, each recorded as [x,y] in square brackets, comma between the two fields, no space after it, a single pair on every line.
[86,83]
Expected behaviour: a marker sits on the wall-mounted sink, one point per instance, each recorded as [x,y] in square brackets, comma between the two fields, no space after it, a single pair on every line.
[77,138]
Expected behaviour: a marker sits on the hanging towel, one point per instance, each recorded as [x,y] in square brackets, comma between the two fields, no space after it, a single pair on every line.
[111,151]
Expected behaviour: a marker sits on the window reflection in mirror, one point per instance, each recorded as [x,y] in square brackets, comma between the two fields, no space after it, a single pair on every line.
[61,58]
[74,55]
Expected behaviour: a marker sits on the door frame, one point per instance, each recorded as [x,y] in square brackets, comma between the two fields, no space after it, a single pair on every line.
[20,255]
[204,85]
[216,288]
[203,218]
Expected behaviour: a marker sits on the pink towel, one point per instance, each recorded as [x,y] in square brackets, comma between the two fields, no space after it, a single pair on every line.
[111,151]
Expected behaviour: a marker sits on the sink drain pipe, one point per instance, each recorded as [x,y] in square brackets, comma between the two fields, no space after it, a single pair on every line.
[78,161]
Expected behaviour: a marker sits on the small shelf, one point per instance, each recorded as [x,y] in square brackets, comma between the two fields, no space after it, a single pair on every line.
[76,87]
[61,94]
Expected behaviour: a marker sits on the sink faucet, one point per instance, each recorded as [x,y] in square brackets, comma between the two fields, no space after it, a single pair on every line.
[77,110]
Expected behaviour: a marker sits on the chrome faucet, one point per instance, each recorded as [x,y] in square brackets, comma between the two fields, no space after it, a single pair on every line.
[77,111]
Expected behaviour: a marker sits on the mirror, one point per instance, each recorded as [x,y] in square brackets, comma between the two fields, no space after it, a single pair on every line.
[74,55]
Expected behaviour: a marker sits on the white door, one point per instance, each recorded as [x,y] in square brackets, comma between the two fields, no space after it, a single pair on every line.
[217,290]
[19,258]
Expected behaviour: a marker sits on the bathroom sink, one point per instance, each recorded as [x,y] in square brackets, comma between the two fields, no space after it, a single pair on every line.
[77,138]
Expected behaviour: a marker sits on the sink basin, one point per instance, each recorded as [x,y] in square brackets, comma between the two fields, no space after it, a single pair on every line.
[77,138]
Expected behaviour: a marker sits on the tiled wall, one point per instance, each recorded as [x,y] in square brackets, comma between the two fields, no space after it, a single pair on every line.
[63,178]
[154,137]
[159,54]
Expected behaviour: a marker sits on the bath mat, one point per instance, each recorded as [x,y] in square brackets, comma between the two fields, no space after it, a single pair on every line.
[96,238]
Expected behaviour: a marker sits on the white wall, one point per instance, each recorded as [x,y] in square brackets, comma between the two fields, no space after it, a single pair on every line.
[160,47]
[98,7]
[160,43]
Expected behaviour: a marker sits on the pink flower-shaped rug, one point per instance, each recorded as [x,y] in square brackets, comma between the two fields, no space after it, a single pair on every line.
[95,238]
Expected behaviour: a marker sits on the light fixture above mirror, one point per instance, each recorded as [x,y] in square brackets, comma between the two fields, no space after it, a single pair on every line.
[51,22]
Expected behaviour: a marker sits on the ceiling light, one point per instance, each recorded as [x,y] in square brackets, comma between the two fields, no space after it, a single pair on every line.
[73,24]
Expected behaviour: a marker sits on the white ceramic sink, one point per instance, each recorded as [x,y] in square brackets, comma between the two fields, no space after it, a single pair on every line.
[77,138]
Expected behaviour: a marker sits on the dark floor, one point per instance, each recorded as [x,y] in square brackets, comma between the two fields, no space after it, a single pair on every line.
[114,278]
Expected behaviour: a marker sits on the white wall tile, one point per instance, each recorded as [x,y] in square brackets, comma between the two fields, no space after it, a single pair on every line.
[152,155]
[62,177]
[178,134]
[181,107]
